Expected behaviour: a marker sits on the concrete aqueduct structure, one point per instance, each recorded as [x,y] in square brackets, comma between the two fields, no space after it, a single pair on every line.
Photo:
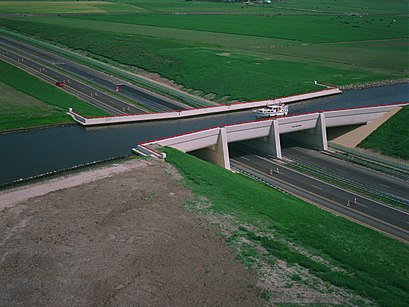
[264,135]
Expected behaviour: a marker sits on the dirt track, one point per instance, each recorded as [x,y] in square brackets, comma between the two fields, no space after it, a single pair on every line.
[119,240]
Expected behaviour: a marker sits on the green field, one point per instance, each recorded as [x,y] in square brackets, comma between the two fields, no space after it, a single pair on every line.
[29,102]
[290,7]
[65,7]
[391,138]
[241,67]
[233,51]
[305,29]
[275,226]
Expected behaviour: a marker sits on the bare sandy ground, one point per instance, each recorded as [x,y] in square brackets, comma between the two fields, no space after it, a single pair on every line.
[118,235]
[356,136]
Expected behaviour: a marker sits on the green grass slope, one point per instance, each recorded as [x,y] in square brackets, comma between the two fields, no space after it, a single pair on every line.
[26,101]
[392,137]
[356,258]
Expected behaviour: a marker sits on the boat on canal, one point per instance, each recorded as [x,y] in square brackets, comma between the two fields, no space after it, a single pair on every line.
[272,110]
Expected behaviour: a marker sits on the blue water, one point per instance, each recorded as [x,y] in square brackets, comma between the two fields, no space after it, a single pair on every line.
[34,152]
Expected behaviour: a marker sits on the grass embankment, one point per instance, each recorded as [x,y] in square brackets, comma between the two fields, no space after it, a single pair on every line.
[27,101]
[276,227]
[392,137]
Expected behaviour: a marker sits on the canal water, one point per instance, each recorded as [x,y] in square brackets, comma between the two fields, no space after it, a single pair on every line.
[34,152]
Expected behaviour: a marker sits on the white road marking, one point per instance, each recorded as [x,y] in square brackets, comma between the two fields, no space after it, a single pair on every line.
[316,187]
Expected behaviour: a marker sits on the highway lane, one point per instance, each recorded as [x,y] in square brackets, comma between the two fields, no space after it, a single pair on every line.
[365,176]
[365,211]
[93,96]
[140,96]
[144,97]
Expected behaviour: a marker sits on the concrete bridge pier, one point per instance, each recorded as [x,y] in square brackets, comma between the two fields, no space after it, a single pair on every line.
[315,137]
[270,144]
[219,153]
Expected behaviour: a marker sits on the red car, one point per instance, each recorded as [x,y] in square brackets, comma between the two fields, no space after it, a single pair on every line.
[60,84]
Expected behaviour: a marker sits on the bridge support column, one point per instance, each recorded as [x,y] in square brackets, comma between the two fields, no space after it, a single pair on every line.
[315,137]
[320,133]
[217,154]
[274,140]
[270,144]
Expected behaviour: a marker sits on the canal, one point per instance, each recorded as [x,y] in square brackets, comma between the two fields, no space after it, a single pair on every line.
[34,152]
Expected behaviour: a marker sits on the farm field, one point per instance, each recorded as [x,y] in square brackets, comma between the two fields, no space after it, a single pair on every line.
[245,71]
[237,52]
[312,248]
[310,7]
[391,138]
[315,29]
[65,7]
[29,102]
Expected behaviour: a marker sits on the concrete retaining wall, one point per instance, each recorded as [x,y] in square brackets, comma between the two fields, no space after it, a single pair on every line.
[143,150]
[196,112]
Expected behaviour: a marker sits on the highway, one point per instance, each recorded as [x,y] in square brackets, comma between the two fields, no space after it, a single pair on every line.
[82,91]
[143,97]
[356,173]
[388,220]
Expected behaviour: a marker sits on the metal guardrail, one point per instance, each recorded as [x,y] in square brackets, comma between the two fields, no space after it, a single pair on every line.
[183,96]
[347,183]
[398,173]
[254,177]
[372,158]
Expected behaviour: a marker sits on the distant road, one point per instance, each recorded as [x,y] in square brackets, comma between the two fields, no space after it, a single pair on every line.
[143,97]
[85,92]
[378,216]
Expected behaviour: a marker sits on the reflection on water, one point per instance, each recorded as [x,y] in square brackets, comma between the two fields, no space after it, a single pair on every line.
[34,152]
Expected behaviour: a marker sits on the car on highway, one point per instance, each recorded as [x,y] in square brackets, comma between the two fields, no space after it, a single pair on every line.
[59,84]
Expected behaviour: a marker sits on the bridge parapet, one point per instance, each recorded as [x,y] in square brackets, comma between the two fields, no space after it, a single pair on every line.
[355,116]
[126,118]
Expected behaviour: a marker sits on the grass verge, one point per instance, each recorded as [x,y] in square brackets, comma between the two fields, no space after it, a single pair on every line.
[27,101]
[392,137]
[354,258]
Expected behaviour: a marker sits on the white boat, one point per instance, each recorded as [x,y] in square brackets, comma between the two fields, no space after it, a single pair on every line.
[272,110]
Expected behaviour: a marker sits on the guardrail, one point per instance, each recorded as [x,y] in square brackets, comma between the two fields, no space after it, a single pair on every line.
[365,155]
[348,183]
[144,151]
[256,178]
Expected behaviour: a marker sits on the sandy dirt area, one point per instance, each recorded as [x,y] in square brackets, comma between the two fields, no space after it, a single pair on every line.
[356,136]
[118,235]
